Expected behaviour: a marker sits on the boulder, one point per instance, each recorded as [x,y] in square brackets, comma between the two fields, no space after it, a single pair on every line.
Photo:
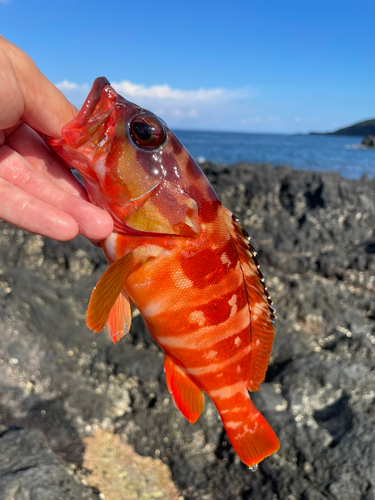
[29,469]
[369,141]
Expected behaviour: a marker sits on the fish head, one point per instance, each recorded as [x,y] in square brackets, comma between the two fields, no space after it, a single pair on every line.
[133,166]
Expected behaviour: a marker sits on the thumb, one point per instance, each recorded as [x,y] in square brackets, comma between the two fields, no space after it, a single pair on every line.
[28,95]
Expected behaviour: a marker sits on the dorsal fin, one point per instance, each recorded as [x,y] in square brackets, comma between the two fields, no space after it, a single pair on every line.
[260,304]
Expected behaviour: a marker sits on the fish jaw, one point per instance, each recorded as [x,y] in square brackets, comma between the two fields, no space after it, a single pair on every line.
[83,136]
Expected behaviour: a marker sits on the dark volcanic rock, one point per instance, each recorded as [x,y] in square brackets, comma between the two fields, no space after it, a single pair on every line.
[315,236]
[29,470]
[369,141]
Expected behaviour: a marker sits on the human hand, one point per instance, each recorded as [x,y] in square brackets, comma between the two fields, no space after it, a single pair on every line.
[37,191]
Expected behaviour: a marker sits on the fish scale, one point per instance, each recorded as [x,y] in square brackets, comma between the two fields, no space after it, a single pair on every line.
[181,258]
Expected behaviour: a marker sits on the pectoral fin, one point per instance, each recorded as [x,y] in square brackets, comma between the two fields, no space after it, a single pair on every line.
[120,318]
[107,291]
[187,396]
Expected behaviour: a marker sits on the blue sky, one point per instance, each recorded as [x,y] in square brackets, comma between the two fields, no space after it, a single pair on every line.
[250,65]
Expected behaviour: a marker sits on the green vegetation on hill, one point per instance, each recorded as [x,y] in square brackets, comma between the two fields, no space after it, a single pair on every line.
[360,129]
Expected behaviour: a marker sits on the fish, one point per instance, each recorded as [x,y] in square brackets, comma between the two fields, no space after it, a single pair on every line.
[181,258]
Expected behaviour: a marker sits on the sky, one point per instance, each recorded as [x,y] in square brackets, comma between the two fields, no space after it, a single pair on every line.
[245,65]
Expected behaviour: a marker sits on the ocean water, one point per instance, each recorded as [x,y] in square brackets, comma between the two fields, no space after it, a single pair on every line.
[306,152]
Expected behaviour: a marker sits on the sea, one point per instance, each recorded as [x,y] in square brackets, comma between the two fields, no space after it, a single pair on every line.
[327,153]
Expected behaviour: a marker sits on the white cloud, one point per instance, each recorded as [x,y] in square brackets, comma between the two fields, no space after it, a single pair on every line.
[165,92]
[178,107]
[160,93]
[66,85]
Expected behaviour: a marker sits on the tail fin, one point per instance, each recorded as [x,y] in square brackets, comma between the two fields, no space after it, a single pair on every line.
[250,434]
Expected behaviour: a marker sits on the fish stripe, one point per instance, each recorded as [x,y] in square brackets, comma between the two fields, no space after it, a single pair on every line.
[236,409]
[233,424]
[214,367]
[207,336]
[229,391]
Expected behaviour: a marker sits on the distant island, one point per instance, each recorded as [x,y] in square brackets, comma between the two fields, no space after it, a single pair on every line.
[359,129]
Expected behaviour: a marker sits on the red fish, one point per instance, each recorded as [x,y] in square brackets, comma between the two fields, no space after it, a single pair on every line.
[181,258]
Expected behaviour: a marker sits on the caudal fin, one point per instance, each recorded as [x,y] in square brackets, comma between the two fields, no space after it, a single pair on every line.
[249,432]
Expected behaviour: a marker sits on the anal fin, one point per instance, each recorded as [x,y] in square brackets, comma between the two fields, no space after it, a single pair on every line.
[120,317]
[187,396]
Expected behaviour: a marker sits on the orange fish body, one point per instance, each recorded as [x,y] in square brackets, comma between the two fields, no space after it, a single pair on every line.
[181,258]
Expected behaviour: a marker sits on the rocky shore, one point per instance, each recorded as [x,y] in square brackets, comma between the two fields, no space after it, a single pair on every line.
[369,141]
[83,418]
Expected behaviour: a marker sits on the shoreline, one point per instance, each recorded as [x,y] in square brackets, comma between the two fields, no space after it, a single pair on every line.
[324,153]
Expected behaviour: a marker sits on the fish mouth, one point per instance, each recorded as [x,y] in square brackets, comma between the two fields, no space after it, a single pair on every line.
[97,107]
[91,101]
[101,102]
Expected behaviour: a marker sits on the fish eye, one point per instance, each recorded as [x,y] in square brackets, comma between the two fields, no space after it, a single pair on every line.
[147,132]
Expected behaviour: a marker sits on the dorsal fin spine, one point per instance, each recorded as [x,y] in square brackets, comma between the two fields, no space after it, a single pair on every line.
[261,328]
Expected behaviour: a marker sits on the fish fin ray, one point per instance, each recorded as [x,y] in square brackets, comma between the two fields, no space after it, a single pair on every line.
[108,289]
[186,395]
[260,304]
[120,317]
